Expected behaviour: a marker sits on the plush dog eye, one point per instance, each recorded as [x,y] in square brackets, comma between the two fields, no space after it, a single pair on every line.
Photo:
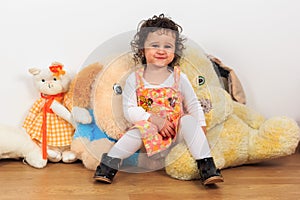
[117,89]
[43,80]
[201,80]
[54,79]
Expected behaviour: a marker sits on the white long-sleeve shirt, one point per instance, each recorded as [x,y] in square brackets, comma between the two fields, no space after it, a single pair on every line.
[133,113]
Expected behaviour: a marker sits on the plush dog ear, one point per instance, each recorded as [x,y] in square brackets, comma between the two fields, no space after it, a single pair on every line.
[34,71]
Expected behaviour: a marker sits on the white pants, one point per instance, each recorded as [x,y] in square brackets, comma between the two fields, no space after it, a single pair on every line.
[189,131]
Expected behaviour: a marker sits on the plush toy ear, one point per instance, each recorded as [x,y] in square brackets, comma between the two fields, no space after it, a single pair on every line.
[34,71]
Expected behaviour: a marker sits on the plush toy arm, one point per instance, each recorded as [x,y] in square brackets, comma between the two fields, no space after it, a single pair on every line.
[63,112]
[81,115]
[249,116]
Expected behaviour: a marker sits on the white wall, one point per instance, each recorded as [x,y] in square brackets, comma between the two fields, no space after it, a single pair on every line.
[260,39]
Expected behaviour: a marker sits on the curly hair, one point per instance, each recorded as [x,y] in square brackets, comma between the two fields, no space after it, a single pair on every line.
[151,25]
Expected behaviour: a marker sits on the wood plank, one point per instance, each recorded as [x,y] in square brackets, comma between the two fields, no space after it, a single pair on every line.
[274,179]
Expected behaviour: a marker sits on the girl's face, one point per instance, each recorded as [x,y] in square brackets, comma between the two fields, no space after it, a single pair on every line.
[159,48]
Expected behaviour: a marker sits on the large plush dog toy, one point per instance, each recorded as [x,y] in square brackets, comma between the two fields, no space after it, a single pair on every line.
[236,133]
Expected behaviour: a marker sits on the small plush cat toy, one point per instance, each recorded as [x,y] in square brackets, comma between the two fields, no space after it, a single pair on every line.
[49,122]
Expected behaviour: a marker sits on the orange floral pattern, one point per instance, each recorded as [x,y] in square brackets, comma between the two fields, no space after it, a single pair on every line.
[164,102]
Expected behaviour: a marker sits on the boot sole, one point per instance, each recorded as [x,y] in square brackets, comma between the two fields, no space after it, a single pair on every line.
[213,180]
[102,179]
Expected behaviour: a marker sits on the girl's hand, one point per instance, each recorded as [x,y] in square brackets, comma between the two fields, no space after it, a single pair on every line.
[204,129]
[165,127]
[168,131]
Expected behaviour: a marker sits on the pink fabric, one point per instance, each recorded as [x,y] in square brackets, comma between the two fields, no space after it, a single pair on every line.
[165,102]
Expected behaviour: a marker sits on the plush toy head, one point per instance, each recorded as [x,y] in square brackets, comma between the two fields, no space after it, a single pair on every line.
[107,97]
[51,81]
[82,85]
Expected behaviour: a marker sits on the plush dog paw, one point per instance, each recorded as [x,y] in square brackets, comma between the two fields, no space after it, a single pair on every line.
[278,136]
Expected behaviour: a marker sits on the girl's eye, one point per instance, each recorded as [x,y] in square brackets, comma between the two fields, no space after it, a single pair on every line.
[168,47]
[155,46]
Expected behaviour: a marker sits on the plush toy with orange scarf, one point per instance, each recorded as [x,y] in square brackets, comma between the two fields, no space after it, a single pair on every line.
[49,122]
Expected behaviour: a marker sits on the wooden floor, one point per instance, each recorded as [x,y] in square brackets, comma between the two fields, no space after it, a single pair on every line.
[275,179]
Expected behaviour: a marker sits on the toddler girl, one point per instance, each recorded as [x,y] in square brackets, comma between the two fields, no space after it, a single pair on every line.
[161,103]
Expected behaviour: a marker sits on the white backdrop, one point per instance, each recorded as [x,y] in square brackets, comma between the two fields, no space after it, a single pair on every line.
[258,38]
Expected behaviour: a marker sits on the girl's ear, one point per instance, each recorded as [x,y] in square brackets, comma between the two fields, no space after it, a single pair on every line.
[141,51]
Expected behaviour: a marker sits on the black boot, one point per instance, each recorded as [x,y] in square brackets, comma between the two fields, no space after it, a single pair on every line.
[107,169]
[208,172]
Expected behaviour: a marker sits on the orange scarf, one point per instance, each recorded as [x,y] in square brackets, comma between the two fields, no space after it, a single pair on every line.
[46,109]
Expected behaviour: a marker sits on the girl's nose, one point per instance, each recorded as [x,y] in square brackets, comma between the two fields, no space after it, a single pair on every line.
[161,50]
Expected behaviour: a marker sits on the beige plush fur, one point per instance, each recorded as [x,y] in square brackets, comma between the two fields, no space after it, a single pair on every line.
[81,91]
[106,101]
[16,143]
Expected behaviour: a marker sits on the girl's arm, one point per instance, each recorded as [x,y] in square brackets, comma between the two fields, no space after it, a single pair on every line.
[190,100]
[132,112]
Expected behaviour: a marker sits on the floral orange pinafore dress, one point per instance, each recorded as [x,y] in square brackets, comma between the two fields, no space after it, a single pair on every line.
[165,102]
